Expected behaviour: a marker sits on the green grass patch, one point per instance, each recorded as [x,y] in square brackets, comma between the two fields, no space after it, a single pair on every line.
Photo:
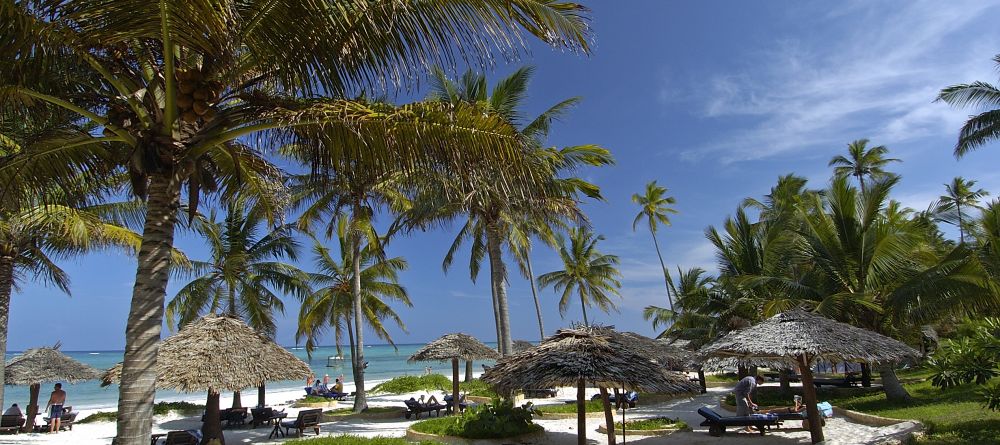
[482,422]
[356,440]
[478,388]
[655,423]
[370,410]
[159,409]
[723,377]
[592,406]
[411,383]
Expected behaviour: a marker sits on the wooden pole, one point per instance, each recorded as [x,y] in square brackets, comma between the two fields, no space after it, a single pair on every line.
[29,423]
[581,413]
[609,417]
[456,407]
[809,396]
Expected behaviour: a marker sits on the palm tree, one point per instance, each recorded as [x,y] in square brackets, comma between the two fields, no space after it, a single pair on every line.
[981,128]
[520,243]
[244,276]
[69,219]
[239,69]
[332,304]
[960,194]
[493,211]
[693,295]
[654,209]
[590,274]
[862,162]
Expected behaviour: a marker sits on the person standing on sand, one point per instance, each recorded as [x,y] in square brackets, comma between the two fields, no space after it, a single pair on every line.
[55,403]
[744,404]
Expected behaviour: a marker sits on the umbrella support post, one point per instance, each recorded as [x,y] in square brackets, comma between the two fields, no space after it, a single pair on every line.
[455,402]
[623,425]
[261,396]
[581,412]
[609,417]
[33,390]
[212,427]
[809,396]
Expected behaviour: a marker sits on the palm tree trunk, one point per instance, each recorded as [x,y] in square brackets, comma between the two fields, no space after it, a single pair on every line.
[534,294]
[145,318]
[894,390]
[468,370]
[583,304]
[961,230]
[609,417]
[6,287]
[360,402]
[809,398]
[498,274]
[663,268]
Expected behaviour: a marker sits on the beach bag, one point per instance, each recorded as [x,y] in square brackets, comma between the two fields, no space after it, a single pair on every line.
[825,409]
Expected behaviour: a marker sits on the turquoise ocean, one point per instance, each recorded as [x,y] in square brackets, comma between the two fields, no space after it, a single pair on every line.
[384,362]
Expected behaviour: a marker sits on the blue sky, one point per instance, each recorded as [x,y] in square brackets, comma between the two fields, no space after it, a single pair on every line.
[713,99]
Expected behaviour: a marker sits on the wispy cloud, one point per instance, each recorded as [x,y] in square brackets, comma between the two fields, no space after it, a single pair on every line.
[878,79]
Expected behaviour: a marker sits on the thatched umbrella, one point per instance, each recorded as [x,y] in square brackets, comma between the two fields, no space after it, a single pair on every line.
[799,338]
[454,347]
[522,345]
[39,365]
[219,353]
[580,356]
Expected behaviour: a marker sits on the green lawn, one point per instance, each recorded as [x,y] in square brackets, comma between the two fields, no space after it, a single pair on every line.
[656,423]
[724,377]
[370,410]
[432,382]
[954,416]
[592,406]
[355,440]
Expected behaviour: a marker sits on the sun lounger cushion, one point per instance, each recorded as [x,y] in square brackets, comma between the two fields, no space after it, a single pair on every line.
[717,424]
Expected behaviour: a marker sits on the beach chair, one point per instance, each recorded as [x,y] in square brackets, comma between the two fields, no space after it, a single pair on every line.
[263,416]
[414,408]
[540,393]
[235,416]
[181,438]
[717,424]
[461,403]
[65,421]
[307,418]
[11,423]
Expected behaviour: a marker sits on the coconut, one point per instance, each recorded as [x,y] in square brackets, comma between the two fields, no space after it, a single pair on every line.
[200,107]
[201,94]
[209,114]
[187,86]
[184,101]
[190,116]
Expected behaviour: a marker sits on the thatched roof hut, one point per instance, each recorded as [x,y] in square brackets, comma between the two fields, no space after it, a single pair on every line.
[597,356]
[783,337]
[660,350]
[221,353]
[41,365]
[522,345]
[799,338]
[454,347]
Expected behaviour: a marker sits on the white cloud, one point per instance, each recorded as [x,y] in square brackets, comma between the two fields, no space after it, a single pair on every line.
[879,83]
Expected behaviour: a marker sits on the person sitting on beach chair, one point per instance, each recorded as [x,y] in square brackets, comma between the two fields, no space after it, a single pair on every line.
[432,401]
[795,412]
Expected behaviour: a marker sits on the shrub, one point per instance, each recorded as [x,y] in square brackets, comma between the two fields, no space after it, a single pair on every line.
[592,406]
[371,409]
[411,383]
[477,387]
[493,421]
[355,440]
[159,409]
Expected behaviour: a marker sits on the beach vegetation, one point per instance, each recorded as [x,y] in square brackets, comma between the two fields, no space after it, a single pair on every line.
[357,440]
[491,421]
[369,410]
[159,409]
[174,105]
[412,383]
[588,274]
[591,406]
[654,423]
[984,99]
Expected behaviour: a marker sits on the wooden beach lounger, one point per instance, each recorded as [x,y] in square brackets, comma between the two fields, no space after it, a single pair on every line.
[414,408]
[717,424]
[11,423]
[307,418]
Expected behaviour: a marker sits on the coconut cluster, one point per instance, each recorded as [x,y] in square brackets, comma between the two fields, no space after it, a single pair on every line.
[197,96]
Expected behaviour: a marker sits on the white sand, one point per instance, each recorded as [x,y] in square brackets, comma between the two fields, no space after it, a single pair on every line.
[838,431]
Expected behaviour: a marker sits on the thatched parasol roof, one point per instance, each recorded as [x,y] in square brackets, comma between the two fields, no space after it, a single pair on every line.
[779,339]
[522,345]
[222,353]
[599,355]
[454,346]
[46,365]
[662,351]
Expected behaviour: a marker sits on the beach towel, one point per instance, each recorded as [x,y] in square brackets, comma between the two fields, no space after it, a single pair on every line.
[825,409]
